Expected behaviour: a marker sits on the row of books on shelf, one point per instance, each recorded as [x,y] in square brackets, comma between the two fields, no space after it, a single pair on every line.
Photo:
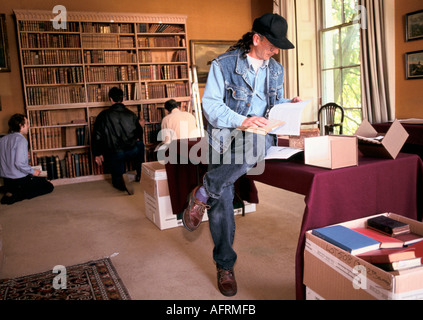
[54,75]
[101,27]
[58,137]
[386,243]
[96,27]
[39,118]
[152,113]
[67,56]
[159,28]
[46,40]
[55,95]
[169,41]
[107,41]
[165,90]
[47,26]
[163,72]
[100,92]
[111,73]
[151,131]
[107,56]
[146,56]
[41,57]
[71,166]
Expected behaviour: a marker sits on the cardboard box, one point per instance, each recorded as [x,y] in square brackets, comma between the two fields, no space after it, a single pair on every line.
[331,152]
[158,208]
[312,295]
[389,147]
[334,274]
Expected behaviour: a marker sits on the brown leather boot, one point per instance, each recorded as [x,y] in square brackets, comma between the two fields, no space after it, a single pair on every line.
[193,214]
[226,282]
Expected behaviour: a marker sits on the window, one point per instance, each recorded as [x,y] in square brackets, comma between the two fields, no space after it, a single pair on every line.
[340,59]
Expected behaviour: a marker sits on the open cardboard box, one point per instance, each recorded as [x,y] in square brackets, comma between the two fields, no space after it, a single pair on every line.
[388,147]
[333,274]
[331,152]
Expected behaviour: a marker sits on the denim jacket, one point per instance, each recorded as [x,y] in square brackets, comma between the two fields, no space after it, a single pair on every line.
[238,93]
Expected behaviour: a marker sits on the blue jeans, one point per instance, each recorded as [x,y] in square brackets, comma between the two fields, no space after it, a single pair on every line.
[219,183]
[116,163]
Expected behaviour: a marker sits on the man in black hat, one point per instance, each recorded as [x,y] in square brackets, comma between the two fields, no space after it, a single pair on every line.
[242,86]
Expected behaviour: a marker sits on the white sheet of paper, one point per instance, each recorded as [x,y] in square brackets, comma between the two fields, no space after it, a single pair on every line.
[291,114]
[281,152]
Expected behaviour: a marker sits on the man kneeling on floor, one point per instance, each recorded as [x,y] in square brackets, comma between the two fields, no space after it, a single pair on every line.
[21,181]
[117,138]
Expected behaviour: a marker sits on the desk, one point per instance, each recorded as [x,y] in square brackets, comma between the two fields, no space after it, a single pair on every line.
[414,143]
[331,196]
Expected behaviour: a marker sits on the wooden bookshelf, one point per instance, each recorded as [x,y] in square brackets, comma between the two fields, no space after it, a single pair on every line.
[67,74]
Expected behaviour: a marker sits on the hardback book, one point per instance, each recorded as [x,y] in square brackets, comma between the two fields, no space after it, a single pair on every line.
[385,240]
[388,226]
[273,123]
[347,239]
[388,255]
[400,265]
[409,238]
[43,173]
[418,247]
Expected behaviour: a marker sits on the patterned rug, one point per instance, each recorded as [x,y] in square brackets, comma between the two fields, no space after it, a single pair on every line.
[94,280]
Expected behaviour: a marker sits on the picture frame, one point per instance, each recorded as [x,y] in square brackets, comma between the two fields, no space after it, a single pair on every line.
[414,65]
[4,47]
[414,25]
[203,52]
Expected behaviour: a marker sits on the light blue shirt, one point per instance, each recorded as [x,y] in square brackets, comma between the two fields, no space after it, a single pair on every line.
[220,115]
[14,156]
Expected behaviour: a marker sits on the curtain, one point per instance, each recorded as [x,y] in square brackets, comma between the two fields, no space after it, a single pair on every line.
[376,102]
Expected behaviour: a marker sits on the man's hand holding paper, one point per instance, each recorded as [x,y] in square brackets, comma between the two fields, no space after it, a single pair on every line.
[290,113]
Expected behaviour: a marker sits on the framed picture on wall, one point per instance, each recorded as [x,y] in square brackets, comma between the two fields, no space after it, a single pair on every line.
[203,52]
[414,25]
[414,65]
[4,49]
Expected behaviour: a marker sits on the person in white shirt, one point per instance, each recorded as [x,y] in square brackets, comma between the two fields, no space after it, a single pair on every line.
[21,181]
[177,124]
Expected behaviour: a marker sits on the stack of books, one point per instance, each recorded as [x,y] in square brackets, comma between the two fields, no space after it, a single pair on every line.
[386,243]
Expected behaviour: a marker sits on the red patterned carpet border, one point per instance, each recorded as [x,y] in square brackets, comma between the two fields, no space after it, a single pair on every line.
[94,280]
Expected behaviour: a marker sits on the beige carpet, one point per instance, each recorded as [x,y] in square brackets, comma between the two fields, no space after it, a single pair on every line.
[87,221]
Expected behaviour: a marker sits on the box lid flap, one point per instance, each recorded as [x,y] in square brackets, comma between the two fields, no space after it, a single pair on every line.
[366,130]
[395,138]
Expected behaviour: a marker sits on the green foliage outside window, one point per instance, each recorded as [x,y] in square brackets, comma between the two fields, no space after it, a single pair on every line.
[341,75]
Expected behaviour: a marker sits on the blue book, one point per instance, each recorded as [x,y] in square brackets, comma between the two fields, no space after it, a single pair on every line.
[347,239]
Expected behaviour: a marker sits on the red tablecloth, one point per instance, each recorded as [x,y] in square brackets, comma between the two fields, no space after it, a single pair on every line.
[331,196]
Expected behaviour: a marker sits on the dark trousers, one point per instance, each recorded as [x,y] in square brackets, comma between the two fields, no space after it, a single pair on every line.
[27,187]
[116,163]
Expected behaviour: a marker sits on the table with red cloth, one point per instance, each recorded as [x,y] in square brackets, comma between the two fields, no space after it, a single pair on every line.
[414,142]
[331,196]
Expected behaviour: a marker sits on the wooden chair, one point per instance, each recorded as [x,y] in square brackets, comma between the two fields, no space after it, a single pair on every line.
[326,118]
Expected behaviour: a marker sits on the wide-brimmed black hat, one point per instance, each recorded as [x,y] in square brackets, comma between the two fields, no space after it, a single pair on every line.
[274,28]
